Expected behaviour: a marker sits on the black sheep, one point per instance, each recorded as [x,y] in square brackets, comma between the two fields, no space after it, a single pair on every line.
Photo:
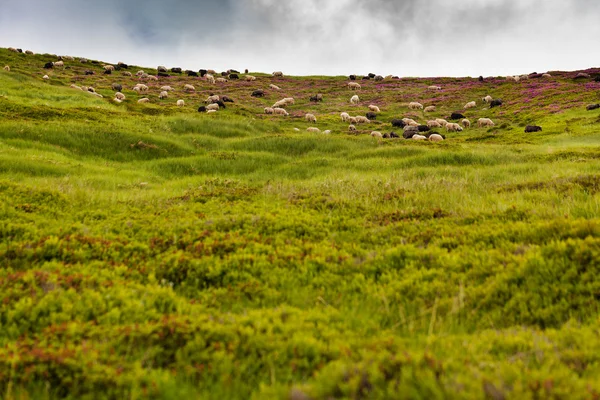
[20,50]
[535,76]
[495,103]
[352,77]
[313,98]
[597,78]
[386,135]
[122,65]
[233,71]
[221,104]
[456,115]
[366,78]
[203,72]
[371,115]
[226,99]
[191,73]
[176,70]
[163,74]
[394,135]
[398,123]
[107,72]
[481,79]
[423,128]
[592,107]
[88,72]
[258,93]
[533,128]
[371,75]
[234,76]
[201,109]
[224,73]
[410,131]
[49,65]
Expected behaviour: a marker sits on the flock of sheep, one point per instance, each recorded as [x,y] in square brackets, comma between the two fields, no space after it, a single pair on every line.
[411,129]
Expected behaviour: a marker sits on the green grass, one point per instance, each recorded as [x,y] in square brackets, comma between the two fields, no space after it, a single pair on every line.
[151,251]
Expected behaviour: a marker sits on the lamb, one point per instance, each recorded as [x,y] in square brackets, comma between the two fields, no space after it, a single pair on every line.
[313,129]
[374,108]
[250,78]
[119,96]
[434,137]
[415,106]
[166,88]
[269,110]
[163,95]
[274,87]
[213,106]
[311,118]
[278,74]
[470,104]
[108,67]
[362,120]
[434,124]
[144,100]
[221,80]
[487,99]
[280,111]
[354,85]
[345,116]
[484,122]
[376,134]
[354,99]
[7,68]
[533,128]
[453,127]
[351,128]
[189,88]
[429,109]
[466,123]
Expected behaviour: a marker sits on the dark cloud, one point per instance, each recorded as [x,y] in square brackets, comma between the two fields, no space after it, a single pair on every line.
[405,37]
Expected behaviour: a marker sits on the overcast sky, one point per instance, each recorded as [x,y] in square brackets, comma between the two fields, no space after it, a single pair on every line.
[315,37]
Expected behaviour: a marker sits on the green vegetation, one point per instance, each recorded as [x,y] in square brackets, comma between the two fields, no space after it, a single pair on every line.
[150,251]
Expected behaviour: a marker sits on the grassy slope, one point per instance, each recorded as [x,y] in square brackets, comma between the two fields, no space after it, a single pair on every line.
[233,257]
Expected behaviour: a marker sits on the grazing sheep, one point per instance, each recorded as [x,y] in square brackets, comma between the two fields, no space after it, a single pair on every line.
[48,65]
[466,123]
[495,103]
[274,87]
[582,75]
[415,106]
[351,128]
[429,109]
[345,116]
[279,104]
[352,120]
[212,99]
[144,100]
[311,118]
[117,87]
[434,137]
[162,75]
[378,78]
[211,111]
[126,73]
[470,104]
[434,124]
[269,110]
[32,53]
[166,88]
[480,78]
[210,79]
[258,93]
[434,88]
[119,96]
[176,70]
[141,87]
[354,85]
[211,71]
[7,68]
[191,73]
[280,111]
[108,67]
[354,99]
[423,128]
[376,134]
[535,76]
[533,128]
[487,99]
[13,50]
[441,121]
[202,109]
[90,89]
[374,108]
[327,132]
[362,120]
[289,100]
[371,115]
[456,115]
[592,107]
[398,123]
[278,74]
[250,78]
[189,88]
[122,65]
[60,64]
[410,122]
[453,127]
[161,68]
[213,106]
[313,129]
[74,86]
[117,100]
[163,95]
[45,77]
[546,76]
[227,99]
[419,137]
[410,131]
[484,122]
[140,73]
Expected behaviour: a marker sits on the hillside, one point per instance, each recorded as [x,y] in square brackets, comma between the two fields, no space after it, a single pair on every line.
[154,251]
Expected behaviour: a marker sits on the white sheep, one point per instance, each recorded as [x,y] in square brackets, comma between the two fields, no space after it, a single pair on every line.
[434,88]
[311,118]
[152,77]
[74,86]
[83,60]
[45,77]
[487,99]
[484,122]
[470,104]
[161,68]
[326,132]
[434,124]
[140,73]
[144,100]
[189,88]
[279,104]
[180,103]
[119,96]
[374,108]
[269,110]
[211,71]
[434,137]
[7,68]
[409,121]
[212,99]
[250,78]
[466,123]
[351,128]
[70,58]
[211,111]
[313,129]
[453,127]
[352,120]
[429,109]
[376,134]
[213,106]
[163,95]
[274,87]
[419,137]
[221,80]
[354,99]
[166,88]
[441,121]
[13,50]
[278,74]
[126,73]
[289,100]
[32,53]
[96,94]
[354,85]
[210,79]
[108,67]
[345,116]
[117,100]
[362,120]
[415,106]
[280,111]
[546,76]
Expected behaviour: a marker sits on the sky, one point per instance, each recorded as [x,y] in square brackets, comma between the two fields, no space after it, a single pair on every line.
[423,38]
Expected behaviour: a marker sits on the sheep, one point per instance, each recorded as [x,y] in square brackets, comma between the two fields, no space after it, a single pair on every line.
[441,121]
[108,67]
[141,87]
[316,98]
[227,99]
[161,68]
[59,64]
[83,60]
[166,88]
[351,128]
[434,124]
[74,86]
[126,73]
[453,127]
[280,111]
[117,100]
[290,100]
[191,73]
[352,77]
[415,106]
[327,132]
[592,107]
[258,93]
[546,76]
[32,53]
[13,50]
[221,80]
[354,86]
[362,120]
[409,131]
[487,99]
[398,123]
[533,128]
[419,137]
[144,100]
[423,128]
[163,95]
[152,77]
[484,122]
[352,120]
[210,79]
[378,78]
[409,121]
[45,77]
[311,118]
[371,115]
[212,106]
[582,75]
[7,68]
[117,87]
[456,115]
[313,129]
[274,87]
[269,110]
[376,134]
[211,111]
[180,103]
[429,109]
[250,78]
[466,123]
[49,65]
[279,104]
[189,88]
[434,88]
[90,89]
[345,116]
[374,108]
[212,99]
[140,73]
[119,96]
[495,103]
[278,74]
[354,99]
[470,104]
[434,137]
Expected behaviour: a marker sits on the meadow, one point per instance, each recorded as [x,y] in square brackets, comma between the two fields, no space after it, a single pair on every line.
[151,251]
